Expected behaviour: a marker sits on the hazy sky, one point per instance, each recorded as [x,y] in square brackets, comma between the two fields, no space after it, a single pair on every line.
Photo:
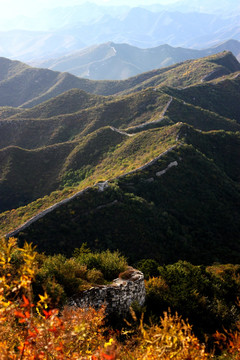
[11,8]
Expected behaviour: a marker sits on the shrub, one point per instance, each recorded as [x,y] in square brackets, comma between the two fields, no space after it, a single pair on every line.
[59,276]
[95,277]
[206,299]
[171,339]
[32,331]
[149,267]
[109,263]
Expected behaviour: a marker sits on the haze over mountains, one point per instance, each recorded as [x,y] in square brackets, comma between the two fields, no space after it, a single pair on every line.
[54,15]
[167,141]
[74,28]
[112,61]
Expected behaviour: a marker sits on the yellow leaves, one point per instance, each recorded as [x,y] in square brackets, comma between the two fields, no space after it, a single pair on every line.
[4,304]
[29,252]
[109,343]
[172,339]
[16,277]
[42,303]
[7,247]
[76,333]
[37,332]
[24,282]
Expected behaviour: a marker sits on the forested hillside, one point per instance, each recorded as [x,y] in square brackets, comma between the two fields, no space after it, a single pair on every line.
[163,151]
[96,175]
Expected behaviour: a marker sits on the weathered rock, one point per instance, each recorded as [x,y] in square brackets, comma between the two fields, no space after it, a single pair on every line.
[117,297]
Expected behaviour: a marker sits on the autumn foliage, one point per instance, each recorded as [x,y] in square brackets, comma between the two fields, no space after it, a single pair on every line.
[30,330]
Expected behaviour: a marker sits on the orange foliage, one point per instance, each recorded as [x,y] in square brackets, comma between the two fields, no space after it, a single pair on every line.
[31,331]
[229,341]
[172,339]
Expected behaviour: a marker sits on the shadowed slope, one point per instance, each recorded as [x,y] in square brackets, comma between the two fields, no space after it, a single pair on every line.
[30,86]
[161,186]
[160,210]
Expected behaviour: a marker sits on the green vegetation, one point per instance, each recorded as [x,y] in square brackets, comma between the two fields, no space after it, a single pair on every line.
[199,117]
[220,96]
[31,325]
[204,295]
[165,218]
[7,111]
[103,154]
[151,172]
[69,102]
[39,85]
[77,139]
[63,278]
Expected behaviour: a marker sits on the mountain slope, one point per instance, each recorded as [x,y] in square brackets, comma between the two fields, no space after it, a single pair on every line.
[41,171]
[210,95]
[160,210]
[135,112]
[56,140]
[112,61]
[149,168]
[67,102]
[31,86]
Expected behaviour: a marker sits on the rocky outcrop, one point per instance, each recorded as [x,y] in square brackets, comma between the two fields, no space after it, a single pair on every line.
[118,296]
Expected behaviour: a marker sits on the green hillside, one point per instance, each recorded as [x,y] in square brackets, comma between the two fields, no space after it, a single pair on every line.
[8,111]
[199,117]
[11,68]
[64,155]
[102,154]
[163,215]
[34,132]
[28,87]
[42,170]
[190,72]
[167,143]
[68,102]
[221,96]
[195,105]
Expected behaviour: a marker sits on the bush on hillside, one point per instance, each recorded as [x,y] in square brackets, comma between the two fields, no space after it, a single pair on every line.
[203,296]
[109,263]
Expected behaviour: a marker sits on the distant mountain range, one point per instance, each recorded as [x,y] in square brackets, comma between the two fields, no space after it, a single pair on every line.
[149,163]
[112,61]
[25,86]
[51,19]
[134,26]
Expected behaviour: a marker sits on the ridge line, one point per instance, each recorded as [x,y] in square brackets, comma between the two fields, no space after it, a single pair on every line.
[101,187]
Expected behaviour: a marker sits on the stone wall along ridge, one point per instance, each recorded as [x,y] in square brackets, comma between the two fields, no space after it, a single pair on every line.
[127,289]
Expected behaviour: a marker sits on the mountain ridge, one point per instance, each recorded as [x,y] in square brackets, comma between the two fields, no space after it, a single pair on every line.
[103,193]
[159,160]
[138,27]
[31,86]
[111,61]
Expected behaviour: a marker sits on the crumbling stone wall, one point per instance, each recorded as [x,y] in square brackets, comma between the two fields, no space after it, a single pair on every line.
[118,296]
